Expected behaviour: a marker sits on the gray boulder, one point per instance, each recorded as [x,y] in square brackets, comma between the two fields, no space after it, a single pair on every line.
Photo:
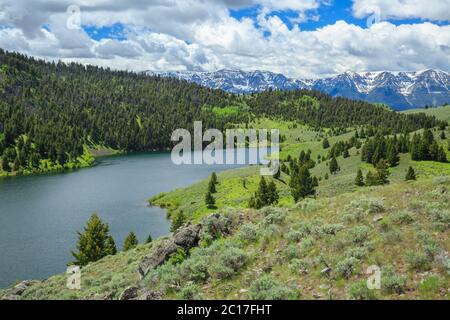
[160,254]
[187,237]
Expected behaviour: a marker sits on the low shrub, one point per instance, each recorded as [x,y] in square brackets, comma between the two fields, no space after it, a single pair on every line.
[356,252]
[248,232]
[229,262]
[310,205]
[358,234]
[307,244]
[291,252]
[269,288]
[300,266]
[331,229]
[441,219]
[360,291]
[417,260]
[195,268]
[178,257]
[190,292]
[391,282]
[402,218]
[443,262]
[346,267]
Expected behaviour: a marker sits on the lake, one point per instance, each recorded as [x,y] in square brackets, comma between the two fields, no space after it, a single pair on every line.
[40,215]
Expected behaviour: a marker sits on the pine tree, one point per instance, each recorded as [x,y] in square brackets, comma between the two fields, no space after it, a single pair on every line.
[5,165]
[301,184]
[372,179]
[211,187]
[325,143]
[110,246]
[334,166]
[214,178]
[416,150]
[443,136]
[441,156]
[346,154]
[209,200]
[410,175]
[149,239]
[272,194]
[382,172]
[392,155]
[130,242]
[315,182]
[359,181]
[94,243]
[178,221]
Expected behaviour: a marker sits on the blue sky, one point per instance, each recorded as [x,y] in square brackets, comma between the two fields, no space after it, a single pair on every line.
[318,18]
[300,38]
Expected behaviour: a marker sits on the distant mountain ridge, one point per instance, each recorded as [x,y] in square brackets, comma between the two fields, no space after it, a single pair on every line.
[400,90]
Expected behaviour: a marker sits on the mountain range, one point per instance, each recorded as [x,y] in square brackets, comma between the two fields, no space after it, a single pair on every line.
[399,90]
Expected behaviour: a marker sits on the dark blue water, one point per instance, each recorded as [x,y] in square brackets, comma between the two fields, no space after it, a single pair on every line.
[39,215]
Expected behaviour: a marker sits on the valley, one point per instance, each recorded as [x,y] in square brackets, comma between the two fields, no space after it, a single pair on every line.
[360,186]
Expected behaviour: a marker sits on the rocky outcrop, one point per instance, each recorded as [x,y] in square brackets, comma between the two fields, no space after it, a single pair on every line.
[160,254]
[135,293]
[17,291]
[185,238]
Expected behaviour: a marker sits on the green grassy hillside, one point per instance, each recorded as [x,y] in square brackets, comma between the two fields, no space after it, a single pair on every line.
[441,113]
[277,253]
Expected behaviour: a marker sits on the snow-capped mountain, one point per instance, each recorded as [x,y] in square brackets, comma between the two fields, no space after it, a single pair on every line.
[400,90]
[237,81]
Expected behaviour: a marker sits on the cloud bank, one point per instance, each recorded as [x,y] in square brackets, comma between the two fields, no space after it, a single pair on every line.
[166,35]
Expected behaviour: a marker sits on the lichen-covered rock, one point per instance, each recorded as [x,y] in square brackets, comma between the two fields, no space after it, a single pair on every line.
[160,254]
[135,293]
[185,238]
[129,293]
[188,236]
[17,291]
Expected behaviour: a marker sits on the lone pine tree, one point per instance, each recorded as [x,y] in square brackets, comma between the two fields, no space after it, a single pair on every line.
[130,242]
[359,181]
[209,200]
[302,184]
[94,243]
[334,166]
[178,221]
[410,175]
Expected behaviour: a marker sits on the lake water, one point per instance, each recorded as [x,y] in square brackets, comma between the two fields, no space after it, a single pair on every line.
[40,215]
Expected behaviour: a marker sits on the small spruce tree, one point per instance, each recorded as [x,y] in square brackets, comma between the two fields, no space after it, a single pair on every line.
[178,221]
[214,178]
[130,242]
[325,143]
[334,166]
[302,184]
[410,175]
[211,187]
[359,181]
[5,165]
[209,200]
[110,246]
[149,239]
[382,172]
[272,196]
